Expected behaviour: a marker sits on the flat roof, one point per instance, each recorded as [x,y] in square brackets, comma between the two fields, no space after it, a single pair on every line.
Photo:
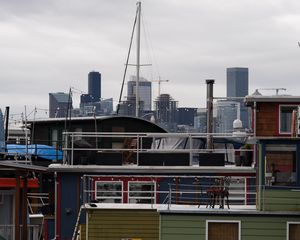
[275,98]
[22,166]
[154,170]
[188,209]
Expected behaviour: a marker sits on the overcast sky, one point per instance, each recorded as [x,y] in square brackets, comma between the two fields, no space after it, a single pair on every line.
[48,46]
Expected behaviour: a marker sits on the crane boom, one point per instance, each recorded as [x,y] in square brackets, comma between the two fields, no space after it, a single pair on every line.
[159,81]
[276,89]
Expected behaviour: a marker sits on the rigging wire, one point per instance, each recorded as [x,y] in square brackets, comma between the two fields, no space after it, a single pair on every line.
[146,44]
[153,57]
[127,60]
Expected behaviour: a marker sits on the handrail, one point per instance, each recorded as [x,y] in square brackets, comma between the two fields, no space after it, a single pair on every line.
[147,143]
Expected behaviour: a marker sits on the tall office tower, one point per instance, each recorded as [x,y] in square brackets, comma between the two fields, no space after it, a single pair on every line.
[59,104]
[94,85]
[166,111]
[237,86]
[145,91]
[200,121]
[185,116]
[227,112]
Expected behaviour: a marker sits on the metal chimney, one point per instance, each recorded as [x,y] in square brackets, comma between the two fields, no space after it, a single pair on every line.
[209,107]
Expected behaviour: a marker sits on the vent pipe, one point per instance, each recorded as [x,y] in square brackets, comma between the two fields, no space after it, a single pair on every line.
[209,107]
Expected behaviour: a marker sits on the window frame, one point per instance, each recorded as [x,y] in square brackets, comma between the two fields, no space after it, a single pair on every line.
[288,229]
[109,182]
[279,117]
[223,221]
[154,191]
[292,148]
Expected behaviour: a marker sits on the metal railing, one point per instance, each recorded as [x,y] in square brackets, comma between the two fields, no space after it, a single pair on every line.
[36,201]
[240,193]
[136,144]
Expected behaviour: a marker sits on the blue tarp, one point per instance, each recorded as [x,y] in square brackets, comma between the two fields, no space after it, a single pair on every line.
[39,150]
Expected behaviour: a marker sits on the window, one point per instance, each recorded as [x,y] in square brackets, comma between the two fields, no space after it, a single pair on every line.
[109,192]
[293,230]
[280,167]
[286,118]
[141,192]
[219,229]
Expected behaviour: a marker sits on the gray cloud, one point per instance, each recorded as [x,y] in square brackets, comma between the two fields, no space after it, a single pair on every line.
[48,46]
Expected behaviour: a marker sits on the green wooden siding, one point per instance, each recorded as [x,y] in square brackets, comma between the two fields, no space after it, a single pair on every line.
[193,227]
[82,231]
[118,224]
[279,200]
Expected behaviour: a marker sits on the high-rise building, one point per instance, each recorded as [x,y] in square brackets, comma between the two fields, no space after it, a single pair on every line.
[145,91]
[238,86]
[200,121]
[185,116]
[227,112]
[59,104]
[94,86]
[85,98]
[166,111]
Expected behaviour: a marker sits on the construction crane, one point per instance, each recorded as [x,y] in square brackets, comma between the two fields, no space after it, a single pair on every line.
[159,81]
[276,89]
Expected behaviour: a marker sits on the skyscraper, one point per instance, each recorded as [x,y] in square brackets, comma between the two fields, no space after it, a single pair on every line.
[237,86]
[200,121]
[227,112]
[59,104]
[145,91]
[166,111]
[94,85]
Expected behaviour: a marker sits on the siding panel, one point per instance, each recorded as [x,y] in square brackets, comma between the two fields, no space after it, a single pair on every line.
[118,224]
[190,227]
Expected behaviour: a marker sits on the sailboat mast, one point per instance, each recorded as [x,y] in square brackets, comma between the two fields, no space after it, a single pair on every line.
[138,42]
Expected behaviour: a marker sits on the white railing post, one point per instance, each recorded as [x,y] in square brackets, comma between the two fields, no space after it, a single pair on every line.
[170,197]
[72,150]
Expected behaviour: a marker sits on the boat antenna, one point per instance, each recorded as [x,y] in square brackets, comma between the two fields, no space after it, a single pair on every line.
[127,60]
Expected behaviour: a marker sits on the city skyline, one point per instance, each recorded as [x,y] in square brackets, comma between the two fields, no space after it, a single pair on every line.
[49,46]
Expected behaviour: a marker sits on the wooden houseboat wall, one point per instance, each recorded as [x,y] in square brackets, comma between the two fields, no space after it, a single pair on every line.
[227,225]
[70,184]
[278,148]
[116,222]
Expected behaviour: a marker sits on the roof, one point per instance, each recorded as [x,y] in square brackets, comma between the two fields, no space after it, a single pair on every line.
[98,118]
[250,99]
[22,166]
[187,209]
[154,170]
